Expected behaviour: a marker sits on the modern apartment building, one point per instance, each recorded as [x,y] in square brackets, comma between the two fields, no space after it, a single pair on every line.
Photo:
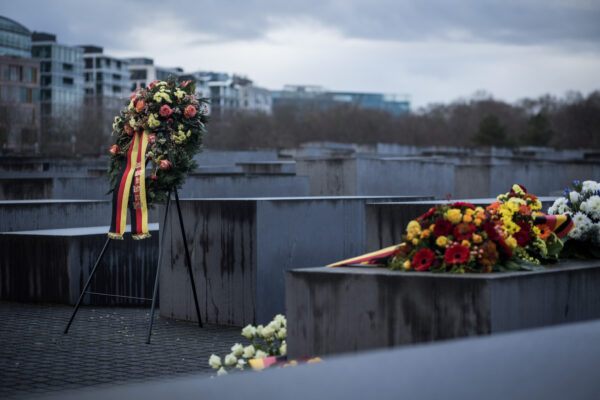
[19,90]
[143,71]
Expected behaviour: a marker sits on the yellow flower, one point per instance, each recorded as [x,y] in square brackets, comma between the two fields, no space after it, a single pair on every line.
[441,241]
[130,106]
[536,206]
[406,264]
[477,238]
[536,230]
[466,243]
[511,241]
[132,122]
[153,121]
[415,241]
[469,211]
[467,218]
[409,236]
[454,215]
[517,189]
[179,93]
[425,234]
[413,228]
[479,209]
[432,227]
[477,221]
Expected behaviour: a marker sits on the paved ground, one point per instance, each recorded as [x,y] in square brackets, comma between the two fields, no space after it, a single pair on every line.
[104,346]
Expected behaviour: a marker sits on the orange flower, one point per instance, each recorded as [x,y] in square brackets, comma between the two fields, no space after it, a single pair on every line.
[525,211]
[494,206]
[140,105]
[114,149]
[467,218]
[545,231]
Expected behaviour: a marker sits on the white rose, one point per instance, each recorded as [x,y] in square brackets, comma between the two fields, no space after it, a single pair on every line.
[249,332]
[237,349]
[574,196]
[283,349]
[268,332]
[282,333]
[275,325]
[261,354]
[240,364]
[249,352]
[230,360]
[221,371]
[214,361]
[259,330]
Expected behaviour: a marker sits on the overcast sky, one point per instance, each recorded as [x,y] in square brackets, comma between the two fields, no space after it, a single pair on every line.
[431,50]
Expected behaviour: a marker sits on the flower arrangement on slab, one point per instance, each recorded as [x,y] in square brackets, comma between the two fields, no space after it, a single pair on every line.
[582,202]
[459,237]
[265,341]
[169,120]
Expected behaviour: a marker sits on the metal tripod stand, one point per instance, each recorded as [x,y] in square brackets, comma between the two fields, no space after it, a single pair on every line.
[160,254]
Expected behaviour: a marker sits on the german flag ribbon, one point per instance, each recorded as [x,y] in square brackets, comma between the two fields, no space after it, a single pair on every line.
[131,180]
[560,224]
[369,258]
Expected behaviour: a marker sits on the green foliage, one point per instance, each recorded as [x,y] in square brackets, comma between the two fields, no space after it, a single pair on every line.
[491,132]
[538,132]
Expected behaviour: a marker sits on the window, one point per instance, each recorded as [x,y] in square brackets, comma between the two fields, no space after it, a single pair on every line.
[116,89]
[99,76]
[89,63]
[116,77]
[45,66]
[98,62]
[5,72]
[67,67]
[67,81]
[138,74]
[88,76]
[46,80]
[89,91]
[119,64]
[15,72]
[133,87]
[108,62]
[142,84]
[99,88]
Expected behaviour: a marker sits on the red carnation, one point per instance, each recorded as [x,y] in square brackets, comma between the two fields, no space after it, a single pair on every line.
[456,254]
[428,214]
[524,225]
[423,259]
[170,121]
[165,111]
[442,227]
[189,112]
[523,237]
[463,231]
[114,149]
[164,164]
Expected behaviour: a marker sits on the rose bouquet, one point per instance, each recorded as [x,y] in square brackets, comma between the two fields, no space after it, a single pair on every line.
[265,341]
[460,237]
[582,202]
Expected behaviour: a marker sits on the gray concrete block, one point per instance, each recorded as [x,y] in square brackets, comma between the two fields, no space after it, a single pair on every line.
[53,265]
[336,310]
[386,222]
[240,249]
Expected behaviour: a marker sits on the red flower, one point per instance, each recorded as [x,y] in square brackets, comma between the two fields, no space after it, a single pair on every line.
[428,214]
[154,177]
[185,83]
[169,121]
[463,231]
[461,204]
[164,164]
[152,138]
[132,96]
[423,259]
[152,84]
[524,225]
[525,211]
[189,112]
[512,192]
[165,111]
[456,254]
[523,238]
[442,227]
[114,149]
[128,129]
[140,105]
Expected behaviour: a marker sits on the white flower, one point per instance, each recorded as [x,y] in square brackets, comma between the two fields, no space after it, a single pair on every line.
[230,360]
[249,352]
[591,207]
[558,207]
[268,332]
[282,333]
[574,196]
[590,186]
[240,364]
[283,349]
[281,319]
[249,332]
[237,349]
[260,354]
[582,225]
[259,330]
[275,325]
[214,361]
[221,371]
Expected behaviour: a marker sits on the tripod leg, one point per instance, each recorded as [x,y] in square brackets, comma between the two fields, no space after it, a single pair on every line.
[188,259]
[87,284]
[160,254]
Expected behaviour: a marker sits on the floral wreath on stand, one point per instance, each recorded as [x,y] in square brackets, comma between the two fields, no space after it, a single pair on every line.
[164,124]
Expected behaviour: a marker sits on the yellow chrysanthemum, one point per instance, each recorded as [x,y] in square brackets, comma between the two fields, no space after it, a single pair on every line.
[406,264]
[153,121]
[441,241]
[511,241]
[132,122]
[454,215]
[413,227]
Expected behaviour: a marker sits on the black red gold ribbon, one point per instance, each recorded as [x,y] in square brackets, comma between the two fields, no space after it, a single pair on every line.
[560,224]
[132,180]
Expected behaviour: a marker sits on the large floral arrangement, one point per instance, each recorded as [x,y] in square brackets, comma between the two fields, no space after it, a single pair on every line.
[265,341]
[173,119]
[582,202]
[459,237]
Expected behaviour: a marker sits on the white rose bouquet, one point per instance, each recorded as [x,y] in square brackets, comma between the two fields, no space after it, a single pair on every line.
[582,202]
[265,341]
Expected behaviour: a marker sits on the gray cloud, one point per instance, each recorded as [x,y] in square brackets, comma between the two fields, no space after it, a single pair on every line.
[564,23]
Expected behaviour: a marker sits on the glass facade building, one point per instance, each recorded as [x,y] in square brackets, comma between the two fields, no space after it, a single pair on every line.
[15,39]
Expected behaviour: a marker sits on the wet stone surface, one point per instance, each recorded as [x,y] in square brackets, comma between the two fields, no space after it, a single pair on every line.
[104,346]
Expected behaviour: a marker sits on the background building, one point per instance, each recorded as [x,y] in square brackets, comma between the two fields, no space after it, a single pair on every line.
[143,71]
[305,96]
[19,90]
[62,90]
